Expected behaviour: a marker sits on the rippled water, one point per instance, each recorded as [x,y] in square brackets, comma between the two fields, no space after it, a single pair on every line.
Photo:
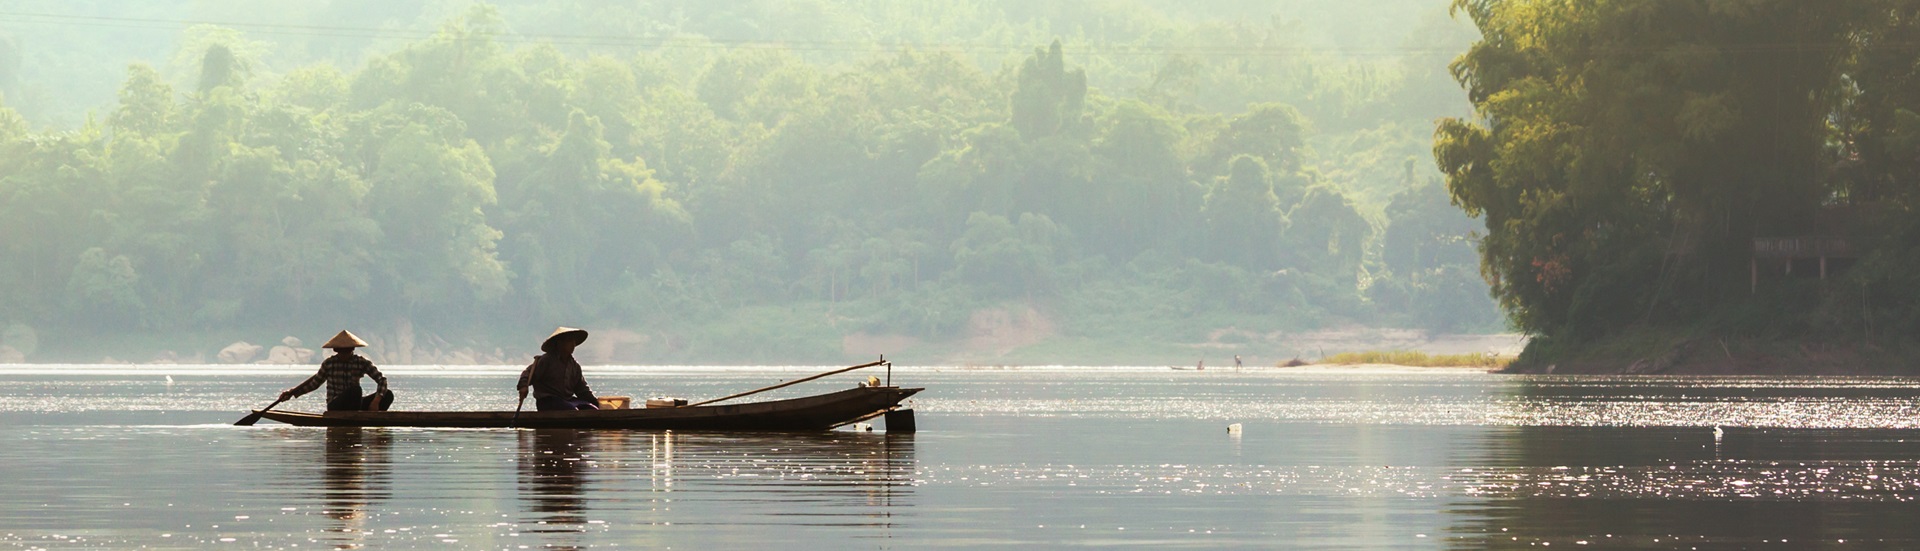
[114,457]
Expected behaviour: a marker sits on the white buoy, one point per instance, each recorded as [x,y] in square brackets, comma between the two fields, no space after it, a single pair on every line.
[1718,434]
[169,379]
[1233,428]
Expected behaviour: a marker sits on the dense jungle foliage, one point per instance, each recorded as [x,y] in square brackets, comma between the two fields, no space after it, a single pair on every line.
[753,180]
[1625,155]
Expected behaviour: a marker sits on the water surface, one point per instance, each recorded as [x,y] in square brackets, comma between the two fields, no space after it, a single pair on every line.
[118,457]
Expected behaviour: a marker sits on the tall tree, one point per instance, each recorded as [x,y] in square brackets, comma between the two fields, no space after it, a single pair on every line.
[1610,136]
[1048,97]
[429,190]
[1244,220]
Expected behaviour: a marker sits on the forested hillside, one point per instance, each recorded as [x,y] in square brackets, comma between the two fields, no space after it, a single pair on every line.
[777,180]
[1626,157]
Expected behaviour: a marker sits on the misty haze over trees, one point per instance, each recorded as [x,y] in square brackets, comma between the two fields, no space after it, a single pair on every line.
[740,180]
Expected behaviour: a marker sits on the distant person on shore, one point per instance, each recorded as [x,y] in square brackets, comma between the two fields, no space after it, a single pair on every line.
[555,376]
[341,372]
[1236,361]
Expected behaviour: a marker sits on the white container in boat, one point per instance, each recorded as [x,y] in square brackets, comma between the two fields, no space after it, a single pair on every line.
[666,402]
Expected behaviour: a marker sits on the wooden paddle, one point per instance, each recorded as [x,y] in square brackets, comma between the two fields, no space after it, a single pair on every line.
[516,411]
[254,417]
[528,376]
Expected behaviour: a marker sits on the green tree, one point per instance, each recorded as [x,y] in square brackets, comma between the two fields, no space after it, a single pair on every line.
[1326,234]
[1244,221]
[429,190]
[55,203]
[1274,133]
[1426,231]
[146,103]
[581,220]
[1140,195]
[1609,136]
[742,77]
[1006,259]
[104,290]
[1048,97]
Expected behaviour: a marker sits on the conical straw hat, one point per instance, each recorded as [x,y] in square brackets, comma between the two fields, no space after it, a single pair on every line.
[564,334]
[344,340]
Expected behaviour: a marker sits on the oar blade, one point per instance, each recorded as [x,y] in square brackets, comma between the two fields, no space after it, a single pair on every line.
[250,419]
[254,417]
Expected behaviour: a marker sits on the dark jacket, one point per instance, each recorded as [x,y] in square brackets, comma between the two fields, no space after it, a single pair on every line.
[556,376]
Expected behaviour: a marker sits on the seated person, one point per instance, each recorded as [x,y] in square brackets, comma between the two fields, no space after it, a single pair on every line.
[555,376]
[341,373]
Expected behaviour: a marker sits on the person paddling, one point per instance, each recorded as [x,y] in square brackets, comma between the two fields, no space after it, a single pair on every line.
[555,376]
[341,373]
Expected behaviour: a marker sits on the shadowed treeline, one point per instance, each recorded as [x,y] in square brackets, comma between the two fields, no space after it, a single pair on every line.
[1626,156]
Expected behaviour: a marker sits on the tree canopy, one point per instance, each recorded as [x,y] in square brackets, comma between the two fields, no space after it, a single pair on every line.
[495,174]
[1625,155]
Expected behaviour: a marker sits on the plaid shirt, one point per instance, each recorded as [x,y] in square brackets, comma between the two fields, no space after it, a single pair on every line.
[341,373]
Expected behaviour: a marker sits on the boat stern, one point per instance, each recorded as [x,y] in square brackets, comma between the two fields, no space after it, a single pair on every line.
[893,394]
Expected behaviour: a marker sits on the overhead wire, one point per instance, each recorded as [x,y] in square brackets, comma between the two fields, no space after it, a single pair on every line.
[704,42]
[678,41]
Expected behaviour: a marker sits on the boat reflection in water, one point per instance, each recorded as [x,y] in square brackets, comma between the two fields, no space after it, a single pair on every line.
[811,479]
[585,480]
[358,464]
[553,476]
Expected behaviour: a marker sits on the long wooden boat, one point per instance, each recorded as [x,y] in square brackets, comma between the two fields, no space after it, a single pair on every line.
[810,413]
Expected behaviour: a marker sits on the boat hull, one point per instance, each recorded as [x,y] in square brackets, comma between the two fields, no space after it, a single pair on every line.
[810,413]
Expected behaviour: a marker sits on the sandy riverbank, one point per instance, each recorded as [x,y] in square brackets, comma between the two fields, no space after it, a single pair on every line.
[1382,369]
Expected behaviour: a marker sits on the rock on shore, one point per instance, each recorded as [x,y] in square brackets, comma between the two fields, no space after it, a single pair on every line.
[239,353]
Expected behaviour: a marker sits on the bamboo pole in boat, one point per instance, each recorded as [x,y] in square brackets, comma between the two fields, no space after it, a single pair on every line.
[787,384]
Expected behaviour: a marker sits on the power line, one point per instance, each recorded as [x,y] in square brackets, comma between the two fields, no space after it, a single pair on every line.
[848,46]
[682,42]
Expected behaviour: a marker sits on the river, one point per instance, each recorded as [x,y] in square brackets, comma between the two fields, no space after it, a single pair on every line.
[146,457]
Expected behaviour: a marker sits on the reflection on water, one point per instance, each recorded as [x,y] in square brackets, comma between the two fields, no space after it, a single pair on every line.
[822,479]
[357,465]
[1031,459]
[553,476]
[1686,488]
[1696,463]
[576,482]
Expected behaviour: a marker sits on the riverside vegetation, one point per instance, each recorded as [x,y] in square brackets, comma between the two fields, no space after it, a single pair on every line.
[1624,155]
[771,181]
[1418,359]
